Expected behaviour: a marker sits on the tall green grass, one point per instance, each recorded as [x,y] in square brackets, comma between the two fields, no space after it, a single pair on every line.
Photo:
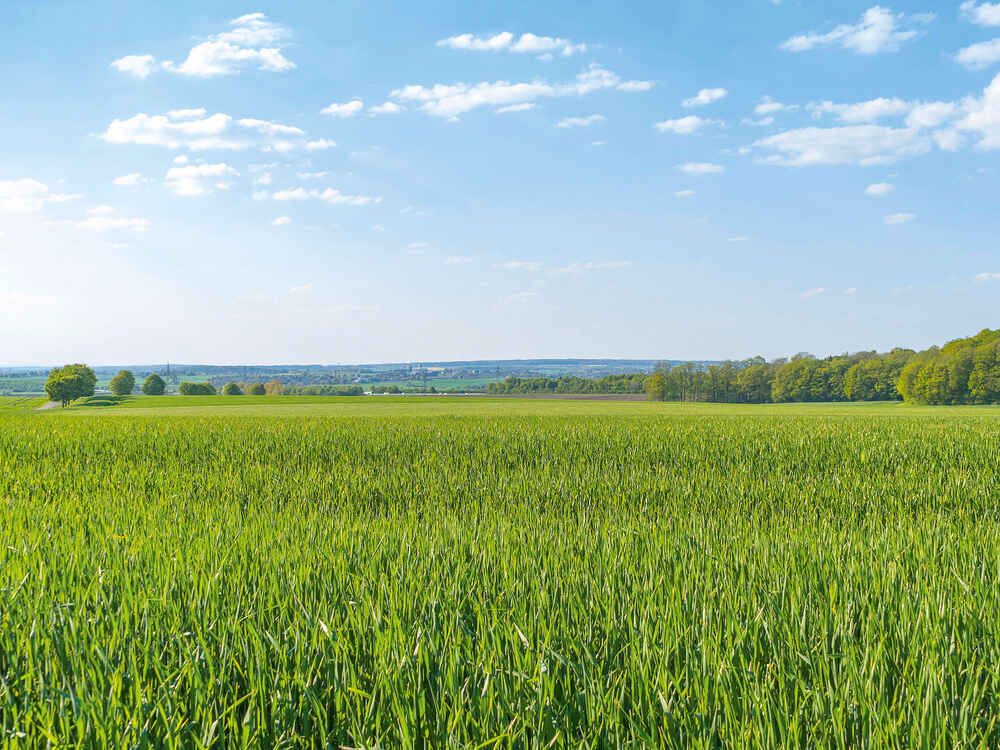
[491,582]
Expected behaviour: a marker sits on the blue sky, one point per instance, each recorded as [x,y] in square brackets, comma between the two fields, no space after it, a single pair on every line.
[368,181]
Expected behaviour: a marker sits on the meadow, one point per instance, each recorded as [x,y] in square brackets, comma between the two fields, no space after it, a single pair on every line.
[499,573]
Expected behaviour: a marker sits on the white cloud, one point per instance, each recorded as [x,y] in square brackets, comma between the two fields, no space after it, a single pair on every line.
[456,260]
[684,125]
[197,179]
[703,97]
[980,55]
[684,193]
[598,143]
[329,195]
[931,114]
[636,86]
[984,14]
[862,111]
[195,130]
[138,65]
[506,42]
[239,48]
[700,168]
[182,159]
[851,291]
[768,106]
[519,265]
[516,108]
[102,210]
[321,144]
[128,180]
[281,221]
[418,245]
[299,290]
[387,108]
[879,188]
[28,196]
[982,116]
[312,175]
[739,238]
[378,228]
[855,144]
[987,277]
[449,101]
[878,30]
[580,122]
[264,179]
[901,218]
[343,110]
[813,292]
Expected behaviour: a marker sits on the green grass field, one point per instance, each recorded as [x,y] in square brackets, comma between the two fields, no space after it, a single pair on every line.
[443,572]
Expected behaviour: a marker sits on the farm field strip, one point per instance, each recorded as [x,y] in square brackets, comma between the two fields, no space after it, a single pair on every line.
[585,574]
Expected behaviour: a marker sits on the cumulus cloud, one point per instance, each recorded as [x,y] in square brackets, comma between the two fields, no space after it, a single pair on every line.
[987,277]
[983,14]
[580,122]
[129,180]
[281,221]
[868,111]
[879,189]
[684,193]
[703,97]
[900,218]
[252,42]
[516,108]
[137,65]
[450,101]
[320,144]
[28,196]
[768,106]
[980,55]
[195,130]
[328,195]
[700,168]
[878,30]
[387,108]
[507,42]
[198,179]
[813,292]
[343,110]
[684,125]
[865,145]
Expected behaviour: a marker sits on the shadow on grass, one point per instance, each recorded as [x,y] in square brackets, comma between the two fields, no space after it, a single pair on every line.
[97,401]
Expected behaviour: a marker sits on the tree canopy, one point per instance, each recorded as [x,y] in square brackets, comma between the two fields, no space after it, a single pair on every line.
[153,385]
[123,383]
[70,382]
[232,389]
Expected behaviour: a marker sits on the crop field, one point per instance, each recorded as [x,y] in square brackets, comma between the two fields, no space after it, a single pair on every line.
[499,574]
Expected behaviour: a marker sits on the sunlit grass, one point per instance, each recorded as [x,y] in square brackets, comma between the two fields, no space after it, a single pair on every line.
[570,578]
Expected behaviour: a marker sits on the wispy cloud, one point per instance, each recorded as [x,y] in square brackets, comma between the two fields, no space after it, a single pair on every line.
[878,30]
[900,218]
[580,122]
[701,168]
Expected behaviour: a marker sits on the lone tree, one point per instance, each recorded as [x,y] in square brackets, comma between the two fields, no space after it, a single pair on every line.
[153,385]
[70,382]
[257,389]
[123,383]
[232,389]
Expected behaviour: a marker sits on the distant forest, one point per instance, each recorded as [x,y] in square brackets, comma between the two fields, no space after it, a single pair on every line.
[964,371]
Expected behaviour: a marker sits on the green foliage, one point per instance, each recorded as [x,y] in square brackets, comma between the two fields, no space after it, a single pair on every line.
[631,383]
[70,382]
[196,389]
[257,389]
[153,385]
[231,389]
[963,371]
[501,582]
[324,390]
[123,383]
